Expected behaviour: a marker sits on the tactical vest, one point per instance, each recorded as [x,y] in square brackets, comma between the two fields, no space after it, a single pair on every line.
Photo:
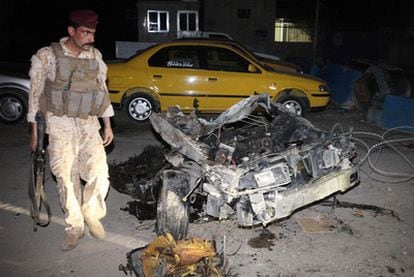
[75,92]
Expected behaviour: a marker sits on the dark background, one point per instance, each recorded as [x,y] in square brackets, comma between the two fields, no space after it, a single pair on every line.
[27,25]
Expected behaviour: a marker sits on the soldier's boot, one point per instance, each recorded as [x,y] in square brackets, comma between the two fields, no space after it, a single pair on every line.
[95,226]
[71,239]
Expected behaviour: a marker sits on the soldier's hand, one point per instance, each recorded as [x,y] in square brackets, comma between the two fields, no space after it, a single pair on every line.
[108,136]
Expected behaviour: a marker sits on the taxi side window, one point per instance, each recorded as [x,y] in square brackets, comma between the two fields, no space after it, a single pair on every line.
[221,59]
[176,57]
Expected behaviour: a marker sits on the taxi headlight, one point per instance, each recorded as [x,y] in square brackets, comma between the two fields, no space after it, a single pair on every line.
[323,88]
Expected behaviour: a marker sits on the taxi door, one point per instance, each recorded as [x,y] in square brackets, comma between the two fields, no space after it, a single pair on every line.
[175,76]
[230,78]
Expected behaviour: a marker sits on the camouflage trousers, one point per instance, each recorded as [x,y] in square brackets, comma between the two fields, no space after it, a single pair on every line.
[78,161]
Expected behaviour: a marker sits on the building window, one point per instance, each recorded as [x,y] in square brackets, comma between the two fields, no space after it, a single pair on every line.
[158,21]
[187,21]
[291,32]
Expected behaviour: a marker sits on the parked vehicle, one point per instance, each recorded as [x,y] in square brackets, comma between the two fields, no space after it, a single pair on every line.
[250,167]
[270,61]
[207,75]
[222,36]
[206,34]
[14,91]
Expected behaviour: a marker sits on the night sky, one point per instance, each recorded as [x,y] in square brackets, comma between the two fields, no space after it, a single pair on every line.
[27,25]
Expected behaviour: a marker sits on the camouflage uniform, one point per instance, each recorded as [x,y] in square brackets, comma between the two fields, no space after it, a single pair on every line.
[75,146]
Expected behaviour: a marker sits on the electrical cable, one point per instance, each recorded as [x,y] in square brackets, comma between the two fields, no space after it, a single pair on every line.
[378,147]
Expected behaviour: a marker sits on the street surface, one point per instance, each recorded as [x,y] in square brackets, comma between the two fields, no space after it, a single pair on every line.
[359,243]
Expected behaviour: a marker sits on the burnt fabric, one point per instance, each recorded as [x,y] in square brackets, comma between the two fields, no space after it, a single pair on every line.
[180,258]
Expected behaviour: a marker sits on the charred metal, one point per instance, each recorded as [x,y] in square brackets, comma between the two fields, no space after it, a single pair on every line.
[255,162]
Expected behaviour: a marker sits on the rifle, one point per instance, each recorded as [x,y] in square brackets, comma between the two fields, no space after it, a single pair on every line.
[37,177]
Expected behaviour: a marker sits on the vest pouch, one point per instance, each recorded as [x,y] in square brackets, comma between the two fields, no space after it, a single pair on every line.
[86,86]
[85,105]
[73,102]
[64,72]
[98,102]
[84,76]
[55,102]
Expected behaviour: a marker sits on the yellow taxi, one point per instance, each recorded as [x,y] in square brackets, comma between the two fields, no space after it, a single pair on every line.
[206,75]
[272,62]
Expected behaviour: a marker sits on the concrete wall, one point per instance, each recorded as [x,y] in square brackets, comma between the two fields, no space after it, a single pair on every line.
[250,22]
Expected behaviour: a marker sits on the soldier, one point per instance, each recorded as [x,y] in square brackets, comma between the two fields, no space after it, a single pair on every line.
[68,85]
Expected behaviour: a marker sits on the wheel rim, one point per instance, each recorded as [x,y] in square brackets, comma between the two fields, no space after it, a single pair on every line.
[140,109]
[293,107]
[11,109]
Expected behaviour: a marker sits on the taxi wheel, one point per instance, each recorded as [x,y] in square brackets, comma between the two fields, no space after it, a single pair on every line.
[139,107]
[293,104]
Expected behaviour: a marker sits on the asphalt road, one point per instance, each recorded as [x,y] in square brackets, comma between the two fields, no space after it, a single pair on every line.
[28,253]
[377,245]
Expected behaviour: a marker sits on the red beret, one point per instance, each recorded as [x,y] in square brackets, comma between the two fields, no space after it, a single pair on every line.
[86,18]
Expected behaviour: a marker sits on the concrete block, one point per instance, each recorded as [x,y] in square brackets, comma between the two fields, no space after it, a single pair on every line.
[397,111]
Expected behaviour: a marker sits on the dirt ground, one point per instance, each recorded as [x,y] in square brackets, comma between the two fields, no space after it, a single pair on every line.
[315,241]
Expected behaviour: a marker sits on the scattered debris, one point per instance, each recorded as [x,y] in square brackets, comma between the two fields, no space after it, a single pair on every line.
[390,269]
[342,226]
[264,240]
[358,213]
[378,210]
[321,224]
[141,210]
[138,175]
[167,257]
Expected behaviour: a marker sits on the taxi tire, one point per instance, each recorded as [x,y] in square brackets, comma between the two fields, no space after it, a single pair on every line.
[294,102]
[139,107]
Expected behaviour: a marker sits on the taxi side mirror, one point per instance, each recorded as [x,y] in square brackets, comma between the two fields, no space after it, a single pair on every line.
[252,68]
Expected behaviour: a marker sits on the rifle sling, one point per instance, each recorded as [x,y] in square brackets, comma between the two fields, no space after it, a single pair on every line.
[38,199]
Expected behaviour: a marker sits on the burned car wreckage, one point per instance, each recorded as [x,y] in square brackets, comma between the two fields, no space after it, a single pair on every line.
[255,162]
